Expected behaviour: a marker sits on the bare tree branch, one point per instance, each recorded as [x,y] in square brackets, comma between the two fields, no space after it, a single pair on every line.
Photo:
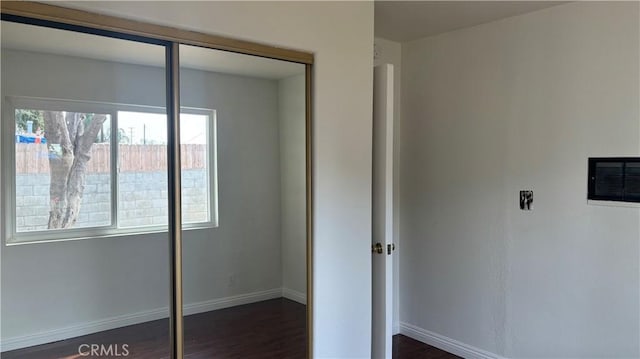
[57,130]
[91,133]
[75,126]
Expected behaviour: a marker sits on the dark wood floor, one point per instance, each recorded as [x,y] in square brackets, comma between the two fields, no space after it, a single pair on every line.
[269,329]
[407,348]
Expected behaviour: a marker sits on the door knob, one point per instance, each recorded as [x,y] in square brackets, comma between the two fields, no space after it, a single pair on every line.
[377,248]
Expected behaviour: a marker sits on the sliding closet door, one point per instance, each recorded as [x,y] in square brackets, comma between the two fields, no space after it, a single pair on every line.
[242,129]
[84,175]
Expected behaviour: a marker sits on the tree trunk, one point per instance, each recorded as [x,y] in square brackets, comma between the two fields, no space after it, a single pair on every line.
[75,189]
[70,150]
[60,162]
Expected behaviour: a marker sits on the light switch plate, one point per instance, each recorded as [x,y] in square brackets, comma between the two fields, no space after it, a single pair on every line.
[526,200]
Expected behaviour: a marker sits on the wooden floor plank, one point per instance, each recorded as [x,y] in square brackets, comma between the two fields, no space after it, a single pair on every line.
[407,348]
[270,329]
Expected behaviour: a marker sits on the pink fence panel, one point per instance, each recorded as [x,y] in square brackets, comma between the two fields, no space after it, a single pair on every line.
[34,158]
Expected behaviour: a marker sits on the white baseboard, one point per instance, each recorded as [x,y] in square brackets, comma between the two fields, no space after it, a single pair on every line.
[294,295]
[226,302]
[131,319]
[72,331]
[447,344]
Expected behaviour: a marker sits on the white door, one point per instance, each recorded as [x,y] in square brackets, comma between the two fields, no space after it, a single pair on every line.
[382,221]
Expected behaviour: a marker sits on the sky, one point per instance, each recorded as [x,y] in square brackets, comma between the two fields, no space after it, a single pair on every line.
[152,127]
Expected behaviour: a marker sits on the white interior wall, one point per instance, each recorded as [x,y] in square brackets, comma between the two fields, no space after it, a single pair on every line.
[47,287]
[390,52]
[512,105]
[291,96]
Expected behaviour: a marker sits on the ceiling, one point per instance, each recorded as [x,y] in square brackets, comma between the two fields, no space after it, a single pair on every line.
[394,20]
[51,41]
[410,20]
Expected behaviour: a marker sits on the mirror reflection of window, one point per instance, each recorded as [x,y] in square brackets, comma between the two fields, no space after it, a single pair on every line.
[61,158]
[142,168]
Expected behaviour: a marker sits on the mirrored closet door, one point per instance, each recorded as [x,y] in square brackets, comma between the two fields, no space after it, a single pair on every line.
[156,198]
[244,271]
[84,143]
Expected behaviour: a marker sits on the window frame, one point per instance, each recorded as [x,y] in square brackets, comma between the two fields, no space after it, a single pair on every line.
[7,135]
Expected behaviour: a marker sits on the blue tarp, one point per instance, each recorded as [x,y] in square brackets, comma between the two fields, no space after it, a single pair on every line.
[30,138]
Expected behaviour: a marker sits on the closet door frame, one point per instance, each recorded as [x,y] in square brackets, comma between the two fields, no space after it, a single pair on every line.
[52,16]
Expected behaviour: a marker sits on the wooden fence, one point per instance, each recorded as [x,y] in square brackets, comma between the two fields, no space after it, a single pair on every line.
[34,158]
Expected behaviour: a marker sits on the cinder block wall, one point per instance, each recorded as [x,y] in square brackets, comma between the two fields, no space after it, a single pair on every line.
[142,199]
